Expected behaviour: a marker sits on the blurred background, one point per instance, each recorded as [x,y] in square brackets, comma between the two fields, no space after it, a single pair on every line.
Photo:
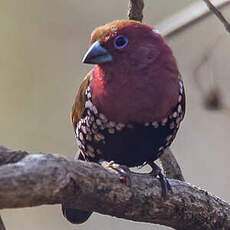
[41,47]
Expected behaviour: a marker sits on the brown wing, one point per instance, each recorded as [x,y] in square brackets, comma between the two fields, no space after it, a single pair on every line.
[79,103]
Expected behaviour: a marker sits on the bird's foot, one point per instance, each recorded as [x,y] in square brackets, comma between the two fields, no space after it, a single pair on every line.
[122,170]
[157,172]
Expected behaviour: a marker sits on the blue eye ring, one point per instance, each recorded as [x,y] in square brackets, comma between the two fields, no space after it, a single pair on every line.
[120,42]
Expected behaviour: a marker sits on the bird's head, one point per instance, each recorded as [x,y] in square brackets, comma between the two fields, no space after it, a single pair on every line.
[135,72]
[127,44]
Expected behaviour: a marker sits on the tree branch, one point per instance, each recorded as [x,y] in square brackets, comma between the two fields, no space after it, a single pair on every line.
[218,14]
[171,167]
[2,226]
[136,10]
[40,178]
[190,15]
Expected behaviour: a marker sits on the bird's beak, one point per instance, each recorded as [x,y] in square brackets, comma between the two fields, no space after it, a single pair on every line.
[96,54]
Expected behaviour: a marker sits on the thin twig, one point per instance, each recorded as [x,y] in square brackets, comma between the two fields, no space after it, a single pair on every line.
[191,15]
[170,165]
[136,10]
[2,226]
[218,14]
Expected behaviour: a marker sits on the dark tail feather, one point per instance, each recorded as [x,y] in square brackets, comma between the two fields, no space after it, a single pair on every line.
[75,216]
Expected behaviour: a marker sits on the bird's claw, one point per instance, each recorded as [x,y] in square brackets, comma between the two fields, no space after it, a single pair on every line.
[165,186]
[122,170]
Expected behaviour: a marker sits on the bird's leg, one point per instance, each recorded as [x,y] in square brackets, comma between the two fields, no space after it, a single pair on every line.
[165,186]
[122,170]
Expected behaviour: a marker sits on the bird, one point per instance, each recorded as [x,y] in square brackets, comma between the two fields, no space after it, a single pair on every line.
[130,105]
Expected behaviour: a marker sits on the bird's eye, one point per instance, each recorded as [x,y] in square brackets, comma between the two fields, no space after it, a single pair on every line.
[120,42]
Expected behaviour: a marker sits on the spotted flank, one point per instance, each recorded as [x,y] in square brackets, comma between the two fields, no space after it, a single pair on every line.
[129,144]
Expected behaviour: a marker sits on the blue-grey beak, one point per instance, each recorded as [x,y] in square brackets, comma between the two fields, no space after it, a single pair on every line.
[96,54]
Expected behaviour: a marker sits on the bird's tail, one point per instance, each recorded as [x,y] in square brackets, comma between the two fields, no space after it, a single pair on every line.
[73,215]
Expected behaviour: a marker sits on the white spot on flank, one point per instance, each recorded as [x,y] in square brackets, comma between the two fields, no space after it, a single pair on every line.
[89,112]
[99,137]
[111,124]
[103,117]
[161,148]
[90,148]
[88,104]
[146,124]
[169,138]
[96,138]
[99,123]
[179,109]
[77,131]
[111,131]
[89,95]
[164,121]
[94,109]
[81,136]
[91,154]
[174,114]
[79,143]
[94,126]
[87,123]
[155,124]
[86,91]
[120,126]
[83,128]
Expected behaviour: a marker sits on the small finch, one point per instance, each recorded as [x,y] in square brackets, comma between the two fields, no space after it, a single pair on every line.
[129,107]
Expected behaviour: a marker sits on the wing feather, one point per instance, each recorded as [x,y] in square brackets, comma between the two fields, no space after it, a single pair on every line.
[78,107]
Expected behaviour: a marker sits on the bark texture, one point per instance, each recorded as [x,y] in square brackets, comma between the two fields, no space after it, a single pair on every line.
[39,178]
[136,10]
[171,168]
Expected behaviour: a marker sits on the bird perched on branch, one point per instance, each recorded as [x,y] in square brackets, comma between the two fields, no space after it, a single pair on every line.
[129,107]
